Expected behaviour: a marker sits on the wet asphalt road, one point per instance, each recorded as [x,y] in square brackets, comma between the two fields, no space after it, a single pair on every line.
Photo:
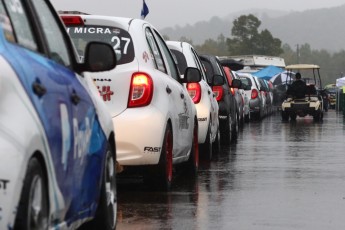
[277,176]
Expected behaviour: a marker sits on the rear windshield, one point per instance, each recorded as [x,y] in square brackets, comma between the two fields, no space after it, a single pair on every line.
[119,39]
[246,81]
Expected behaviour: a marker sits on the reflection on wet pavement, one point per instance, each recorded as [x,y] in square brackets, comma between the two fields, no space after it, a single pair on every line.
[277,176]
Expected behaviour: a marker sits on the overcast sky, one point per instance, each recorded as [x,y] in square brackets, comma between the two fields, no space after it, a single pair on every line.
[164,13]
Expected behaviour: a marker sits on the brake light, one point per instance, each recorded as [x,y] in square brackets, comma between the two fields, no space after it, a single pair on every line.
[72,20]
[218,91]
[232,90]
[141,90]
[255,94]
[194,91]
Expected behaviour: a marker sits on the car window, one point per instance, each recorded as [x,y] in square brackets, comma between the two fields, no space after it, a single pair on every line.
[6,24]
[55,39]
[222,72]
[118,38]
[209,70]
[181,60]
[199,64]
[170,60]
[21,26]
[228,74]
[155,51]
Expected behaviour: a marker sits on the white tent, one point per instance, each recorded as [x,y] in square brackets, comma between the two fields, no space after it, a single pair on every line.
[340,82]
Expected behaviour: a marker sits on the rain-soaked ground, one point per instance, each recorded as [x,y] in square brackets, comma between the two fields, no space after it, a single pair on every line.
[277,176]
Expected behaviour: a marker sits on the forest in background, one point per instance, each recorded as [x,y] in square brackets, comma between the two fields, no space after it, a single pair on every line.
[317,38]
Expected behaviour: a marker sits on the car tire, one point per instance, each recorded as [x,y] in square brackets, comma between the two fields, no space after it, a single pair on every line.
[255,116]
[165,165]
[216,144]
[106,213]
[236,128]
[206,147]
[226,131]
[318,116]
[247,118]
[293,116]
[285,116]
[33,209]
[193,161]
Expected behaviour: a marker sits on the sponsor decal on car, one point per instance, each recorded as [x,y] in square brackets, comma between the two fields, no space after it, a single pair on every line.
[105,92]
[152,149]
[91,30]
[183,121]
[202,119]
[145,56]
[3,184]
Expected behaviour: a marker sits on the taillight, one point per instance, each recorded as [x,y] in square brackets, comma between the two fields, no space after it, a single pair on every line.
[218,91]
[194,91]
[72,20]
[141,90]
[232,90]
[255,93]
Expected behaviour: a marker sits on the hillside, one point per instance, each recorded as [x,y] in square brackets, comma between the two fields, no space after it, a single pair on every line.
[321,28]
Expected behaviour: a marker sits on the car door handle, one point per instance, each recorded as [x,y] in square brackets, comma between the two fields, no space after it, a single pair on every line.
[168,90]
[75,98]
[38,88]
[182,95]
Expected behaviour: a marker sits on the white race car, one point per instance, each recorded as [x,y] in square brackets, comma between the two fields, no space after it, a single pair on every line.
[57,143]
[154,118]
[202,95]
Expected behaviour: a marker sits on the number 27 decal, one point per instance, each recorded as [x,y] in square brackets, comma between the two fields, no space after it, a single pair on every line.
[117,46]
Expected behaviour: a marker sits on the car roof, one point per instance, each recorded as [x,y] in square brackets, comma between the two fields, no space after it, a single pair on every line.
[123,21]
[302,66]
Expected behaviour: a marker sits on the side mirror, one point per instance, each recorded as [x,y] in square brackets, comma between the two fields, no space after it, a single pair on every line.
[191,75]
[218,80]
[236,83]
[99,57]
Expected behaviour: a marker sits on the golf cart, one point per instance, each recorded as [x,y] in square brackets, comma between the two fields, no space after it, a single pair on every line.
[311,102]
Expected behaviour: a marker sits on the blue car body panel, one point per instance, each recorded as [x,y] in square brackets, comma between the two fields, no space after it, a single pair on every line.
[78,148]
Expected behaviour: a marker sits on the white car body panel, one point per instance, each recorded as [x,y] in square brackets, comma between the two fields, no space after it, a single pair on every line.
[257,103]
[140,131]
[207,108]
[17,145]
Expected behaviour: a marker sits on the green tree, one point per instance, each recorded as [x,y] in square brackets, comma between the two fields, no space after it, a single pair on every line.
[246,38]
[214,47]
[185,39]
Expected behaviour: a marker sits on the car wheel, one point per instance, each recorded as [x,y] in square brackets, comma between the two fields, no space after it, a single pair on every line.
[33,209]
[236,128]
[226,131]
[216,144]
[206,147]
[318,116]
[105,217]
[247,118]
[193,161]
[285,116]
[293,117]
[165,167]
[255,116]
[242,120]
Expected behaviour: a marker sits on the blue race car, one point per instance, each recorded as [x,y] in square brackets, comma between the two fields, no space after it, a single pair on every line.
[57,144]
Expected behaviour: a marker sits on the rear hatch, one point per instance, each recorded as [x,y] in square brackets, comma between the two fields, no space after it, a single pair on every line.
[113,85]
